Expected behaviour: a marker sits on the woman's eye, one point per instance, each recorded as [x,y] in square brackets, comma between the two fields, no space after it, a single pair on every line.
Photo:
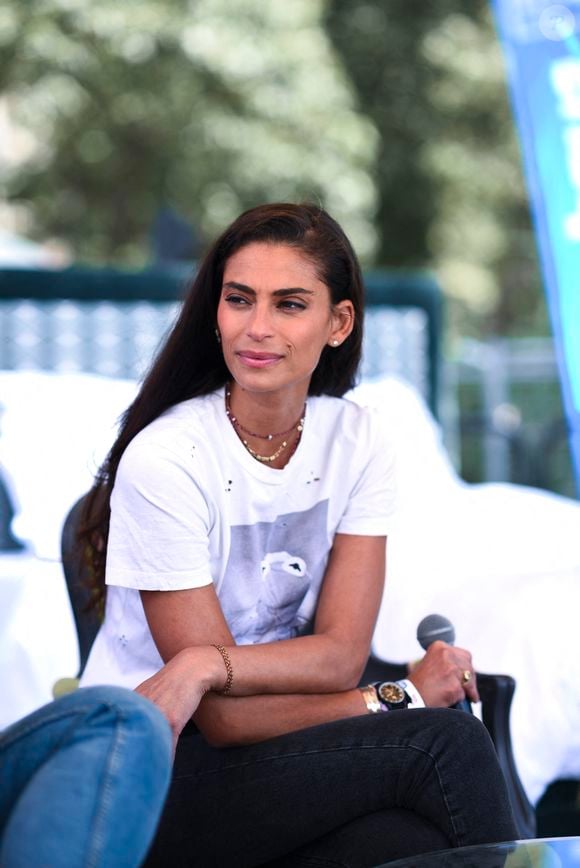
[290,304]
[236,299]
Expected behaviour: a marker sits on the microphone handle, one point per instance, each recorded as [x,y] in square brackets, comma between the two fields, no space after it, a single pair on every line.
[434,627]
[463,705]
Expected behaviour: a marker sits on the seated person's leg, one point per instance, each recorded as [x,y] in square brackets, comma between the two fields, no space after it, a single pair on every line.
[362,841]
[250,805]
[83,781]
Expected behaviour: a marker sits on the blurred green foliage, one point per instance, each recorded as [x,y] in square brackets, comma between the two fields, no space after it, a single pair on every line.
[206,106]
[394,115]
[451,194]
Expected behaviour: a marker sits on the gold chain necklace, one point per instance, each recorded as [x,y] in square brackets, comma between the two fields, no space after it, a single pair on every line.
[265,459]
[269,458]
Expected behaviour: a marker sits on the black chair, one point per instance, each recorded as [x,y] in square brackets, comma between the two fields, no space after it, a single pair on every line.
[496,690]
[77,576]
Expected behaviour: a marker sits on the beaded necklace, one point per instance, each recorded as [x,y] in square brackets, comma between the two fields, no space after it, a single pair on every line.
[266,459]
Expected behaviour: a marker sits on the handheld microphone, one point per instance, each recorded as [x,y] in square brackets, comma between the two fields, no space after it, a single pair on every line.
[434,627]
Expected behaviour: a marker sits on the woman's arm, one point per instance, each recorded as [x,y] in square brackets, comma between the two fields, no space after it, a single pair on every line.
[329,662]
[283,686]
[178,688]
[231,720]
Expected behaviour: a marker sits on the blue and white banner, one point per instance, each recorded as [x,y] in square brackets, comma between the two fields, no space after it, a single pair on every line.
[543,60]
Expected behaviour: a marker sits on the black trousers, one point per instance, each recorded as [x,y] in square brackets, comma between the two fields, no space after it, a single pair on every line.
[353,793]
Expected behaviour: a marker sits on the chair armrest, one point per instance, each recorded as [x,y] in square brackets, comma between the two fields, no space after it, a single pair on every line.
[496,692]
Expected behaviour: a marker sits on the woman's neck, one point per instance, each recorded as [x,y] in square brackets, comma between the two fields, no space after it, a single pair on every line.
[274,434]
[266,413]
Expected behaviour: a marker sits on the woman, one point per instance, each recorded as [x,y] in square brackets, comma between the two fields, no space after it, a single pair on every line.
[248,518]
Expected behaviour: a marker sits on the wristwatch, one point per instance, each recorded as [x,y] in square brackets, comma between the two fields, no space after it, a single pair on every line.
[391,695]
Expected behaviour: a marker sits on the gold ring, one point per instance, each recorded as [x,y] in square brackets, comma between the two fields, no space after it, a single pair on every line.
[466,676]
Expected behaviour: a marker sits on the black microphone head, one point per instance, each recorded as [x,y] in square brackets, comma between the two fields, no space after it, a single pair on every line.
[434,627]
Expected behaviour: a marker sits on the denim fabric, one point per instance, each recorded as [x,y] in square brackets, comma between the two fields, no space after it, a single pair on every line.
[352,793]
[83,781]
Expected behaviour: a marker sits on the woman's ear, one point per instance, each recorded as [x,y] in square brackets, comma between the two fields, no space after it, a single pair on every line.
[343,323]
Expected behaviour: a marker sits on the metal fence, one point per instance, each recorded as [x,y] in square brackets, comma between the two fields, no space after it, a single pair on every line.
[111,322]
[119,339]
[504,418]
[500,403]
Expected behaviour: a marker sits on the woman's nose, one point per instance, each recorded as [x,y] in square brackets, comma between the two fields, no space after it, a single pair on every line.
[260,323]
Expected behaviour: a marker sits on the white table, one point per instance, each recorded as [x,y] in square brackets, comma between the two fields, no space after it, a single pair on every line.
[37,636]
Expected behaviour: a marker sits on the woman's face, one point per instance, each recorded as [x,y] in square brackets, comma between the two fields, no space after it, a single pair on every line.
[275,317]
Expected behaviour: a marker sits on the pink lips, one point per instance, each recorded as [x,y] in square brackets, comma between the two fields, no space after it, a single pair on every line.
[257,360]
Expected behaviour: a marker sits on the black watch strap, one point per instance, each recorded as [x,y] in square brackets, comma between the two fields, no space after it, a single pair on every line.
[391,696]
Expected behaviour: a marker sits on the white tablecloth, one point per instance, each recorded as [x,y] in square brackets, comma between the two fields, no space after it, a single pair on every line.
[37,635]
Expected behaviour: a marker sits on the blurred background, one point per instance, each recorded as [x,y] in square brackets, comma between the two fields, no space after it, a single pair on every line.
[131,133]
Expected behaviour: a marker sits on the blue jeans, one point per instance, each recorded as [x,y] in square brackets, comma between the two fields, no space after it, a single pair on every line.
[353,793]
[83,781]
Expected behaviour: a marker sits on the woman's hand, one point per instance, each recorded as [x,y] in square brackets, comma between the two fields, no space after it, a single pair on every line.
[178,688]
[440,676]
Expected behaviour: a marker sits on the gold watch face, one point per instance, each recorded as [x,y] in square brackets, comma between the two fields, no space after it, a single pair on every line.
[391,692]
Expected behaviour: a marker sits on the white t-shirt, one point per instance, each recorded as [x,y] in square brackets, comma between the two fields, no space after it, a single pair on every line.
[191,506]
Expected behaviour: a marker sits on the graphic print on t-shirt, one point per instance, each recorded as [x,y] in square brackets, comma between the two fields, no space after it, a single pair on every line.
[273,575]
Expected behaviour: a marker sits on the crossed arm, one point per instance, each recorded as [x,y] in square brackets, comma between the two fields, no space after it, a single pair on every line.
[280,686]
[291,684]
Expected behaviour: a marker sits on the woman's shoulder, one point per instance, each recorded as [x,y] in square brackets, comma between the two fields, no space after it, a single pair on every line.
[183,426]
[349,426]
[342,411]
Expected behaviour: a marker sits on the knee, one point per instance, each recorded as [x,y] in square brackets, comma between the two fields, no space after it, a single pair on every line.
[467,727]
[140,735]
[128,708]
[461,732]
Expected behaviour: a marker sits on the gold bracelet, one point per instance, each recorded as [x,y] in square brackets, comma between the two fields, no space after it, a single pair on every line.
[371,699]
[229,670]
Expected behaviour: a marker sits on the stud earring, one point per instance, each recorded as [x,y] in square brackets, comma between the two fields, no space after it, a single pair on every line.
[335,343]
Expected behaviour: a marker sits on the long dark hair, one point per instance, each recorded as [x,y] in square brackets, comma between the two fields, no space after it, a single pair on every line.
[190,363]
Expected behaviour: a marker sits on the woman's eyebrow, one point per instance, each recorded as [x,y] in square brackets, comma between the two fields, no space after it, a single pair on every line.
[233,284]
[292,290]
